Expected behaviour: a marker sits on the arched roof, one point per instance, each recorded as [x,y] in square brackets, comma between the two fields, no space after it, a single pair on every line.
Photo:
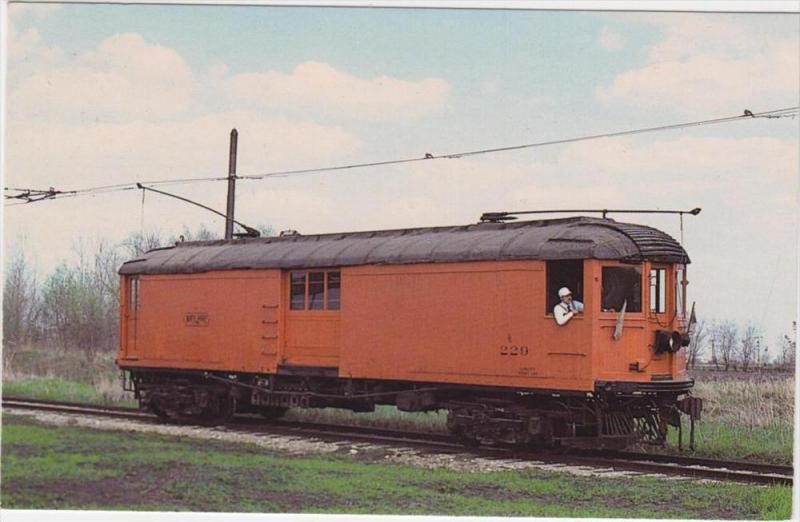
[571,238]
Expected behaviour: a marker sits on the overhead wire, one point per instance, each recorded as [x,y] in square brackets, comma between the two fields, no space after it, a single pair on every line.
[775,113]
[458,155]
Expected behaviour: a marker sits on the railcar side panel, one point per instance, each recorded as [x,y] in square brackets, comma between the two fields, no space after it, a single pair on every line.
[474,323]
[215,320]
[312,339]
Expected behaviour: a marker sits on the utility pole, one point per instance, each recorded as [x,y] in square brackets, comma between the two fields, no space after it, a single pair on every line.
[231,186]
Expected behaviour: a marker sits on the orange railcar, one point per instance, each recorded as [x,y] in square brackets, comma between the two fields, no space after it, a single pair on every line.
[459,318]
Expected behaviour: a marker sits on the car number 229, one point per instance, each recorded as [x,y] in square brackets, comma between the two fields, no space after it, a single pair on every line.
[513,350]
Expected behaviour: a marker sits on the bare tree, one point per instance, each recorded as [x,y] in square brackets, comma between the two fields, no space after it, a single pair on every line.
[763,359]
[713,341]
[266,230]
[749,347]
[726,343]
[788,345]
[202,233]
[697,342]
[80,300]
[138,243]
[21,305]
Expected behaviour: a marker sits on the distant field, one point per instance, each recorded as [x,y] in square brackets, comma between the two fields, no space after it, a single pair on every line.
[48,467]
[746,415]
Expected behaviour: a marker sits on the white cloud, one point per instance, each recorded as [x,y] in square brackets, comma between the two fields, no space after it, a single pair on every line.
[319,88]
[540,101]
[26,50]
[101,154]
[710,65]
[124,78]
[688,34]
[127,77]
[610,40]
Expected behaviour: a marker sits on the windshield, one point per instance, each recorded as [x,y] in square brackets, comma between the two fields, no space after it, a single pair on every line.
[621,285]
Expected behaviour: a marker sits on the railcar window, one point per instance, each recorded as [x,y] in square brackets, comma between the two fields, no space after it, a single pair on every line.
[133,294]
[621,284]
[334,290]
[316,291]
[658,290]
[298,291]
[563,273]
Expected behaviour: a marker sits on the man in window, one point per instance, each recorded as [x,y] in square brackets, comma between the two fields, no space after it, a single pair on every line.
[567,308]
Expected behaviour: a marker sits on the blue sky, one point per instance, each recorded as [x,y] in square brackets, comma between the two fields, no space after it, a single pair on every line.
[101,94]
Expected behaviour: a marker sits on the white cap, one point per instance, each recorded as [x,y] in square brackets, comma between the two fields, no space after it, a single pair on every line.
[564,291]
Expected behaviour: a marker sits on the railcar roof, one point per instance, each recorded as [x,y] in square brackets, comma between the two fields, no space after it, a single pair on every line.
[551,239]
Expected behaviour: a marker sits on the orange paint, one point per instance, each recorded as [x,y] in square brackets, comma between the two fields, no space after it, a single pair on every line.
[479,323]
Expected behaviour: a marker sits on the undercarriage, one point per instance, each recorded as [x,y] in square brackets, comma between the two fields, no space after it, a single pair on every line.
[610,417]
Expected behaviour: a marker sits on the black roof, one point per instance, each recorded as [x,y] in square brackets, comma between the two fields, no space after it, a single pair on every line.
[571,238]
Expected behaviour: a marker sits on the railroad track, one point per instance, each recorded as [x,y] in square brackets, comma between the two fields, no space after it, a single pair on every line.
[683,466]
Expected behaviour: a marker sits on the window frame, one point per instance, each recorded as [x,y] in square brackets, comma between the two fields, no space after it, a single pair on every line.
[551,287]
[643,274]
[659,290]
[293,285]
[134,294]
[307,284]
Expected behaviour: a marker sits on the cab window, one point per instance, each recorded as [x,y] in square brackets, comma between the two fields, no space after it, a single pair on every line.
[621,285]
[133,294]
[658,290]
[563,273]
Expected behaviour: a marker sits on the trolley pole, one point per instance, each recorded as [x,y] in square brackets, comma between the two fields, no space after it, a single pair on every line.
[231,186]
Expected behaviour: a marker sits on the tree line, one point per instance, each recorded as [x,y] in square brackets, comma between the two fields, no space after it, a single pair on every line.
[726,345]
[76,305]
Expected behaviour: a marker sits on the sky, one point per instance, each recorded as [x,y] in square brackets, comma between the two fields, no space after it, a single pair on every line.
[106,94]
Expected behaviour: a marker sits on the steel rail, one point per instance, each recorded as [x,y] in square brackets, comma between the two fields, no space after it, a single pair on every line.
[684,460]
[729,471]
[75,408]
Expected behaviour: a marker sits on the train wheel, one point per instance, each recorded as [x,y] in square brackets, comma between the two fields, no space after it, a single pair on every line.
[273,412]
[160,413]
[220,409]
[462,434]
[468,440]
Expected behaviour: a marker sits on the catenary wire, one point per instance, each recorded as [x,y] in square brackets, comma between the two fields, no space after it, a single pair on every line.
[457,155]
[775,113]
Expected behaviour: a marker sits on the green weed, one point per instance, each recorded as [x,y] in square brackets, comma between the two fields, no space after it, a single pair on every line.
[54,389]
[48,467]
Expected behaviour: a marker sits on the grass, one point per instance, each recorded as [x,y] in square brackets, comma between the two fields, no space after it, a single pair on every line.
[383,416]
[48,467]
[71,365]
[716,439]
[51,388]
[66,375]
[746,416]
